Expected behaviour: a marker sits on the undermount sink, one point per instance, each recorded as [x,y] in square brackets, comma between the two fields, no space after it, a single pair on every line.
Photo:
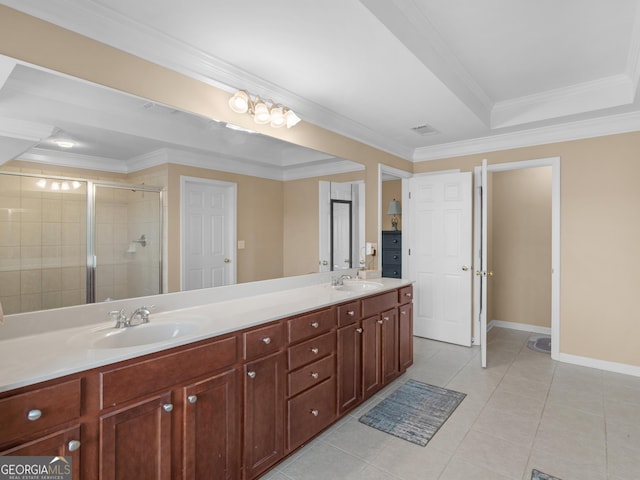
[138,335]
[359,286]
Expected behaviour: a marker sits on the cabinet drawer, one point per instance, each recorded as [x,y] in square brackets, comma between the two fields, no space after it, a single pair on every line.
[160,373]
[405,295]
[348,314]
[391,257]
[47,407]
[378,303]
[312,350]
[262,341]
[310,325]
[310,412]
[391,240]
[310,375]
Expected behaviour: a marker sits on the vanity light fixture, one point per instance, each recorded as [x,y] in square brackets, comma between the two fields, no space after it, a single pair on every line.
[263,111]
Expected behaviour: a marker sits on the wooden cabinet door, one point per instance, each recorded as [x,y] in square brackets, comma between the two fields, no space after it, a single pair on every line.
[55,445]
[264,397]
[405,335]
[349,367]
[211,428]
[135,442]
[371,355]
[389,342]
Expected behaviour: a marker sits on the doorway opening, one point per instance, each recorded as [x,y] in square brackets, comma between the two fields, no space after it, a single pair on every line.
[522,249]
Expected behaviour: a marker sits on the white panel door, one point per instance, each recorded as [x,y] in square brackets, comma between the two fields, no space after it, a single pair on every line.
[207,239]
[440,256]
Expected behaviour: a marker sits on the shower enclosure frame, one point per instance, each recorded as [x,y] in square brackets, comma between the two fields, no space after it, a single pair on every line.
[92,185]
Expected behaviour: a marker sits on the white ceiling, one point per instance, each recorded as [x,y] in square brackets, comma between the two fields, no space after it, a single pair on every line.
[484,75]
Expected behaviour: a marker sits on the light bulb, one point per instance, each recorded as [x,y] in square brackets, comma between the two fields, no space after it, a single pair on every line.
[292,118]
[239,103]
[261,113]
[277,117]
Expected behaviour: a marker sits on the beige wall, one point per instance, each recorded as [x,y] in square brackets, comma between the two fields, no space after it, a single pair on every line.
[599,232]
[260,223]
[521,246]
[301,221]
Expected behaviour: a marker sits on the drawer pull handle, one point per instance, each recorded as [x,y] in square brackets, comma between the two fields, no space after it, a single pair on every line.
[73,445]
[314,350]
[34,415]
[315,324]
[315,375]
[315,412]
[359,329]
[380,322]
[167,407]
[251,374]
[266,340]
[351,313]
[192,398]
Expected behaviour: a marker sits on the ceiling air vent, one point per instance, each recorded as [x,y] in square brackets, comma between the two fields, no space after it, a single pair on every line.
[425,130]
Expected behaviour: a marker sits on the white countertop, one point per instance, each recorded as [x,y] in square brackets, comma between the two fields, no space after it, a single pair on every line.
[31,357]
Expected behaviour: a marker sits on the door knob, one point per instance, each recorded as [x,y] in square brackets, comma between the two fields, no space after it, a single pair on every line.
[226,260]
[465,268]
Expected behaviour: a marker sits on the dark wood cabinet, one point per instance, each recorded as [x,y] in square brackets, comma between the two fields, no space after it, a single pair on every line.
[371,355]
[211,428]
[264,394]
[226,408]
[392,253]
[389,345]
[135,441]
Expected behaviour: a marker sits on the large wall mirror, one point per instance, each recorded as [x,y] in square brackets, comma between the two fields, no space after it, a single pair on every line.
[57,130]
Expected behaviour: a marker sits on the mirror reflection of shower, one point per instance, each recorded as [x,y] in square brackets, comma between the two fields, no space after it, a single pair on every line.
[65,241]
[341,234]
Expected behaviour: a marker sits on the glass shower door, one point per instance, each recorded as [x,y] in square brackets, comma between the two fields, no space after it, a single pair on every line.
[127,235]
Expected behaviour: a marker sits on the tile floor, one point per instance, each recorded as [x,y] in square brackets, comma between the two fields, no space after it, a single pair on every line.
[524,411]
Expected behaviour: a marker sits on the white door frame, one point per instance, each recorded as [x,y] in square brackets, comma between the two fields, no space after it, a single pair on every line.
[231,215]
[406,228]
[554,163]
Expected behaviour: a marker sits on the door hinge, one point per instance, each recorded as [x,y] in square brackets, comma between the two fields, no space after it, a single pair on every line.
[409,250]
[409,195]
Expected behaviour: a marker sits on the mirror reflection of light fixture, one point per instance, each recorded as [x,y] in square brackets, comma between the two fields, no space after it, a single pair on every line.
[394,209]
[262,111]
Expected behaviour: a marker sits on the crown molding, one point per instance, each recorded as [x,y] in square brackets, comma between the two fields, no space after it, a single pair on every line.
[74,160]
[597,127]
[613,91]
[321,169]
[25,130]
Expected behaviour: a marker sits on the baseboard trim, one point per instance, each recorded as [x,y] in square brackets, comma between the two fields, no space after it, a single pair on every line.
[600,364]
[525,327]
[606,365]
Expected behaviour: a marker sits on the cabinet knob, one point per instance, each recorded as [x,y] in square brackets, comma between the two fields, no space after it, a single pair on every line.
[315,324]
[408,294]
[192,398]
[315,375]
[167,407]
[73,445]
[314,350]
[386,319]
[380,322]
[314,412]
[351,313]
[403,312]
[34,415]
[359,329]
[251,374]
[266,340]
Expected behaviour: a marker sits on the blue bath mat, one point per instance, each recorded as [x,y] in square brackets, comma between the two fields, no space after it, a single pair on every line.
[414,412]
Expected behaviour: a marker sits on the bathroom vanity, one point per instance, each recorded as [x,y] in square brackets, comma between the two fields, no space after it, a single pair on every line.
[229,397]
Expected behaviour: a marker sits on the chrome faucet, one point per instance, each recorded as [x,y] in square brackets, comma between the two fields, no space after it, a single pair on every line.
[142,313]
[337,281]
[122,321]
